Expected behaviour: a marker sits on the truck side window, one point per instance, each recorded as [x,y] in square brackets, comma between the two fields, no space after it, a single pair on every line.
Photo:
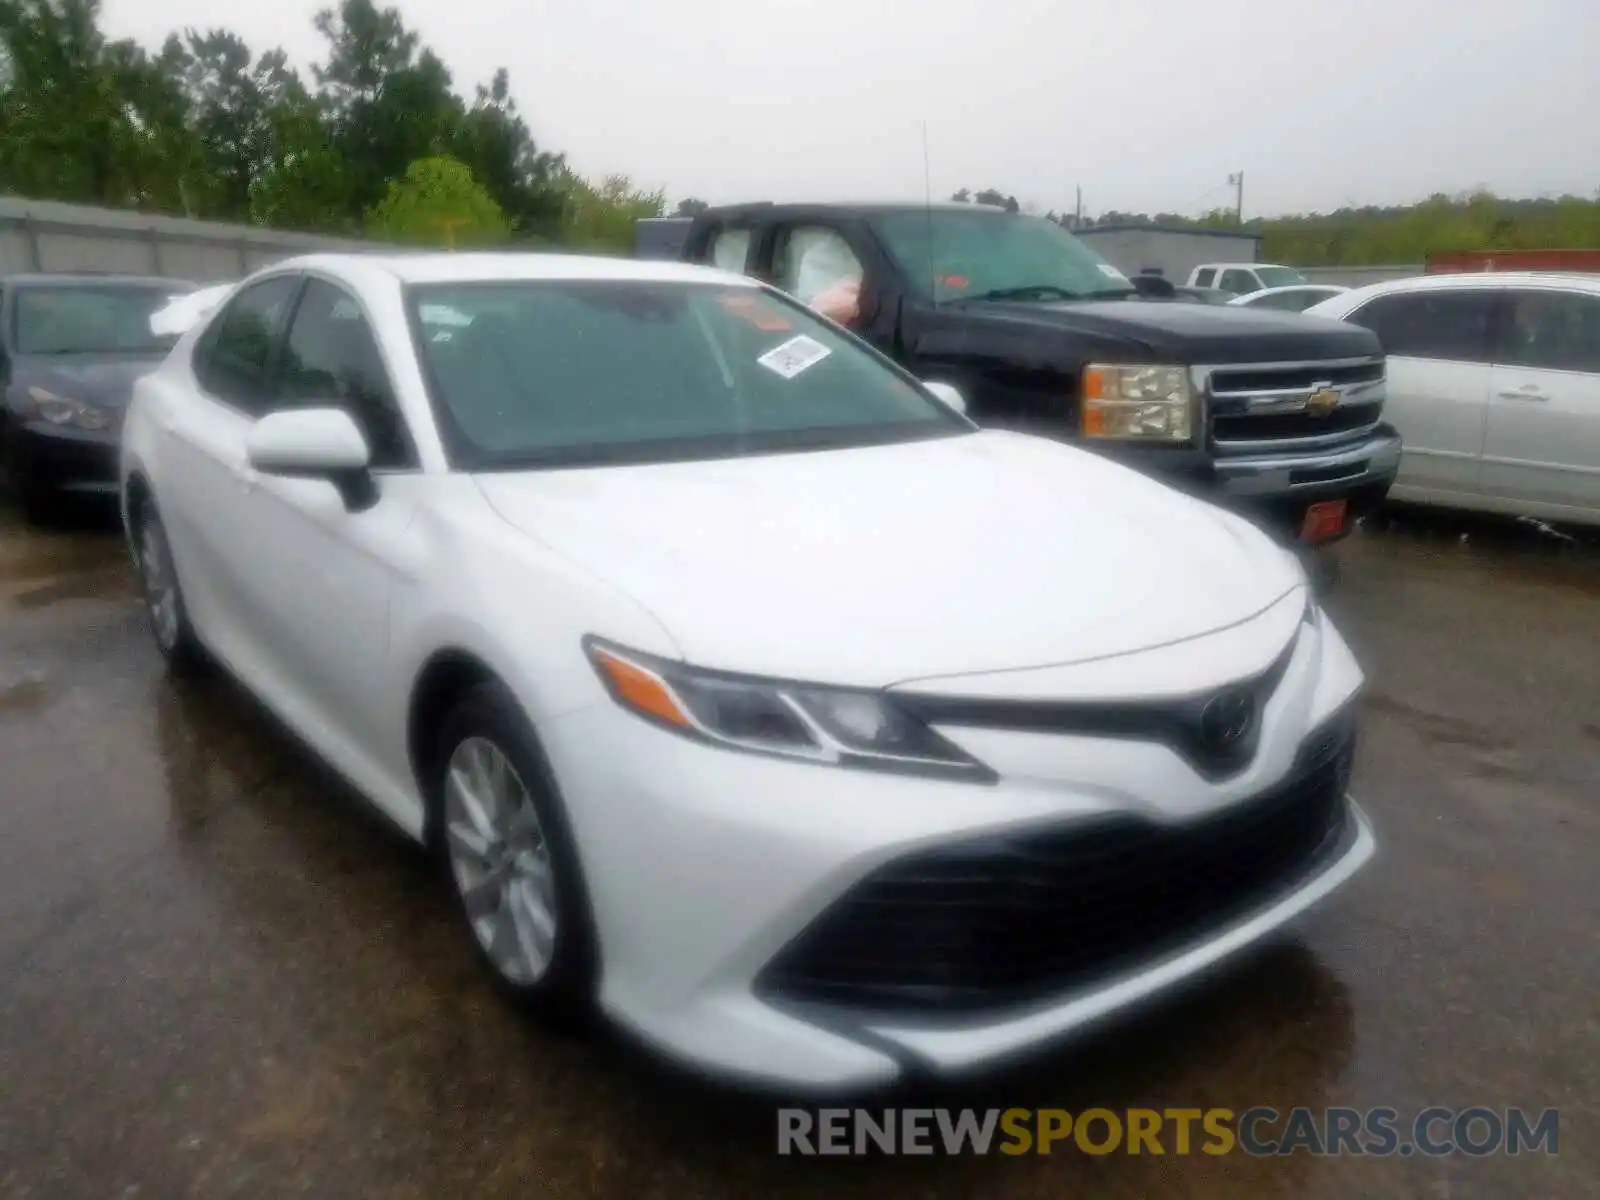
[1204,278]
[730,248]
[1448,325]
[1241,283]
[816,266]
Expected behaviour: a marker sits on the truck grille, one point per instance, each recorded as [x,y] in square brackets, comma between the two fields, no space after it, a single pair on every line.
[1257,409]
[1005,920]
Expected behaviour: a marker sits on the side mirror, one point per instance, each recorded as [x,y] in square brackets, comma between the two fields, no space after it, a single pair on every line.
[948,395]
[315,443]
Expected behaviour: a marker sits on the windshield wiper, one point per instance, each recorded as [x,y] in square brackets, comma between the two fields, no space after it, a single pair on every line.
[1031,291]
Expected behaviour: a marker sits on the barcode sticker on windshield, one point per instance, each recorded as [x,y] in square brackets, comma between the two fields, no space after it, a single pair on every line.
[790,358]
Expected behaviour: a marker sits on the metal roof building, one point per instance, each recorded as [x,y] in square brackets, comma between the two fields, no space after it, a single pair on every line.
[1169,251]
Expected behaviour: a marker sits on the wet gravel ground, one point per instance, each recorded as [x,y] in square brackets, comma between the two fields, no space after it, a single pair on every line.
[219,976]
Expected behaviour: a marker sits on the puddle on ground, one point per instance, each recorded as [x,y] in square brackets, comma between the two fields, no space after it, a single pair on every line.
[26,695]
[1436,727]
[106,581]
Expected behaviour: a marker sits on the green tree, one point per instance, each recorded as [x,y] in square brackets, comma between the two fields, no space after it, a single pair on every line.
[690,206]
[388,100]
[251,116]
[495,142]
[438,203]
[84,119]
[600,216]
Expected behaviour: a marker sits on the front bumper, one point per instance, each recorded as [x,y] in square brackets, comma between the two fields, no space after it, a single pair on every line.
[60,458]
[1278,487]
[707,867]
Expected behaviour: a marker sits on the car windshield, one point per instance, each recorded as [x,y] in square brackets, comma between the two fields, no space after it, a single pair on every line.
[64,319]
[950,254]
[574,372]
[1272,277]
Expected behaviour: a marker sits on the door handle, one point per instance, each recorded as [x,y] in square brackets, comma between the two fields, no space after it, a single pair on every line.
[1524,393]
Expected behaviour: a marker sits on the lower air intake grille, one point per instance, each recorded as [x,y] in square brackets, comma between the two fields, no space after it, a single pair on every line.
[1005,920]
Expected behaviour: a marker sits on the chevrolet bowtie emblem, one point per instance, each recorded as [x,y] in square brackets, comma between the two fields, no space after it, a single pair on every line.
[1322,401]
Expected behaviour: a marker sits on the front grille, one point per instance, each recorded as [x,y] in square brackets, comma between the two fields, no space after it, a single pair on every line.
[1003,921]
[1300,375]
[1241,427]
[1242,400]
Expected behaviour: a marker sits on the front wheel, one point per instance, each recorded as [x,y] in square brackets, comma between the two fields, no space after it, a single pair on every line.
[163,597]
[506,850]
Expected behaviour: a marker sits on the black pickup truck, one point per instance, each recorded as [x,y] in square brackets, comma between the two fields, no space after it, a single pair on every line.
[1272,412]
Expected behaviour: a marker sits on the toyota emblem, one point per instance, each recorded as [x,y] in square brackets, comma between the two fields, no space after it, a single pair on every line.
[1226,721]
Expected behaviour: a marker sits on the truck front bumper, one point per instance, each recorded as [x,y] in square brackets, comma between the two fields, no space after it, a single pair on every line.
[1279,488]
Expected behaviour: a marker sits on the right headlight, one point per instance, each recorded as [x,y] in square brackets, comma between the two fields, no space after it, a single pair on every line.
[840,727]
[1137,403]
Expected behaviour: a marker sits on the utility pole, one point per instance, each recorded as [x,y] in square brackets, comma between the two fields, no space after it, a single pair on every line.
[1238,197]
[1077,217]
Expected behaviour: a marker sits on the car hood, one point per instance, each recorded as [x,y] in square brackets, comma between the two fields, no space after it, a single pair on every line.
[1177,332]
[101,380]
[873,566]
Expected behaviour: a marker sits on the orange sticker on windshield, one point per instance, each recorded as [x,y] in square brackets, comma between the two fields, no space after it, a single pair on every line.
[753,310]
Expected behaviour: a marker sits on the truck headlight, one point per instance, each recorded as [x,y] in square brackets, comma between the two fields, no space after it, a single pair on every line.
[1137,403]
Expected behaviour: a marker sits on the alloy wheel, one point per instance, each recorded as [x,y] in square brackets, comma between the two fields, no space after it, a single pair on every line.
[500,860]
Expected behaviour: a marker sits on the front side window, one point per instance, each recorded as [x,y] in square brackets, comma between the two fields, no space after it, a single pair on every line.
[572,372]
[817,267]
[331,357]
[1450,325]
[1240,283]
[64,319]
[948,254]
[237,351]
[1556,331]
[1204,277]
[1272,277]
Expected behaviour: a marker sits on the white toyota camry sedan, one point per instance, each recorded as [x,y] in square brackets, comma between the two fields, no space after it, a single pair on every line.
[741,686]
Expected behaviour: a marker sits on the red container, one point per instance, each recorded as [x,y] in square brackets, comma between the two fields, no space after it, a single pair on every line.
[1450,262]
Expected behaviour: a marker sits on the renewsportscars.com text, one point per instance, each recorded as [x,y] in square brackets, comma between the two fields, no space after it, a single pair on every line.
[1376,1132]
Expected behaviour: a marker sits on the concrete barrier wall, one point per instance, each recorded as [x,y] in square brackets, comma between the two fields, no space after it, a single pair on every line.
[42,235]
[1358,276]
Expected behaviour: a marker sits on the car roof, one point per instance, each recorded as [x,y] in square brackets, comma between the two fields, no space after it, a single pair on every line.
[1309,285]
[453,267]
[1477,279]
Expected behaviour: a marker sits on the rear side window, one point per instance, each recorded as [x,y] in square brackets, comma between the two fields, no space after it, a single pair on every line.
[1204,278]
[729,249]
[1556,331]
[1449,325]
[237,354]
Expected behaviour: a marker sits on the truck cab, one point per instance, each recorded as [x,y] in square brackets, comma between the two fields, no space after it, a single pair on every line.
[1274,413]
[1244,278]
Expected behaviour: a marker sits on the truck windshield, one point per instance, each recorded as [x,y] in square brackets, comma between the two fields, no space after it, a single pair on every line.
[993,255]
[1272,277]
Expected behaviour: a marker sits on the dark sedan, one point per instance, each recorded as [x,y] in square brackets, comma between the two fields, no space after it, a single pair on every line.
[70,349]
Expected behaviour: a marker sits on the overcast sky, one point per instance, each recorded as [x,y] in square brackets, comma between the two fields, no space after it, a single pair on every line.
[1147,104]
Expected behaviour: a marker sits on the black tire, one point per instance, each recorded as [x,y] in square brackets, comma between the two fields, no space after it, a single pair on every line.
[175,639]
[564,992]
